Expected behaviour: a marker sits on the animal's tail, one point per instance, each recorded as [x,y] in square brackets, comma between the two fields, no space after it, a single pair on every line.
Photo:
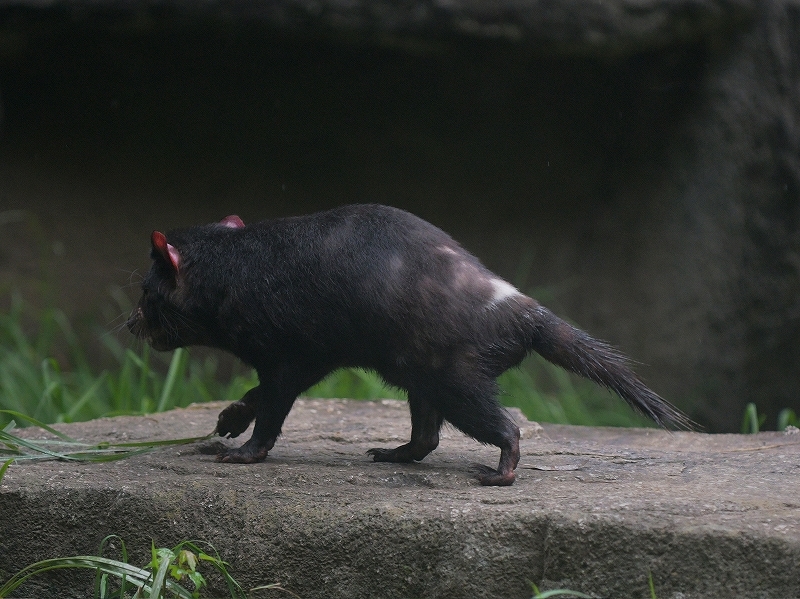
[564,345]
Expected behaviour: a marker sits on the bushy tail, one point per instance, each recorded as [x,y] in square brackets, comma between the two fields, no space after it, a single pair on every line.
[564,345]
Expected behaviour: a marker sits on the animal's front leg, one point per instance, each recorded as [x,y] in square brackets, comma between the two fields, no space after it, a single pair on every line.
[254,450]
[269,404]
[235,419]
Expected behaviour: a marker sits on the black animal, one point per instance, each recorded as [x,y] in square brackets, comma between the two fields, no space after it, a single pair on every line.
[368,286]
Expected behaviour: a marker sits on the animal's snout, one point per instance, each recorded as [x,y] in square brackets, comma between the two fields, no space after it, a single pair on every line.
[135,321]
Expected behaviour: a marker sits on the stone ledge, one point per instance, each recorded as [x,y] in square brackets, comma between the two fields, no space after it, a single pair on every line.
[592,509]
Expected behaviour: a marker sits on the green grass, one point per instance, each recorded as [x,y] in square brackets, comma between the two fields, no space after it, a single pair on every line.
[547,393]
[172,572]
[752,421]
[46,374]
[176,572]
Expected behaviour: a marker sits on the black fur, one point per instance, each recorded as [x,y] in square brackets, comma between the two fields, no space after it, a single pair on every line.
[368,286]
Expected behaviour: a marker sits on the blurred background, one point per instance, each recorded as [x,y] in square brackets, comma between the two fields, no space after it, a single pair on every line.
[633,165]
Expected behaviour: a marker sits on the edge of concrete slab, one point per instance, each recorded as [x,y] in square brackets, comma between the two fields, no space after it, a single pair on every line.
[593,509]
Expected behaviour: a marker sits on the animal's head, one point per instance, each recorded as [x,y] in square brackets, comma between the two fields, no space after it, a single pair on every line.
[167,314]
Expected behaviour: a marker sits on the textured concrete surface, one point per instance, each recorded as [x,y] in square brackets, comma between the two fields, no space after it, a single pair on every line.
[593,509]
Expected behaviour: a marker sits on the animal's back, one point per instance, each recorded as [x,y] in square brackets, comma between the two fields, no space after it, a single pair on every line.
[392,285]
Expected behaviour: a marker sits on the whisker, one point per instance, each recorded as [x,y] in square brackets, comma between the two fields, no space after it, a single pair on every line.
[122,316]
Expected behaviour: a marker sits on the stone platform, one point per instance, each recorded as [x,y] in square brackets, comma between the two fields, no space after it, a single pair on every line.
[593,510]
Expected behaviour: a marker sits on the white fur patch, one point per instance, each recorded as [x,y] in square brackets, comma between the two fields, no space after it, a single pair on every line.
[502,291]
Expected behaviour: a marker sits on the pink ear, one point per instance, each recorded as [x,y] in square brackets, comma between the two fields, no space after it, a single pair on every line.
[167,251]
[232,221]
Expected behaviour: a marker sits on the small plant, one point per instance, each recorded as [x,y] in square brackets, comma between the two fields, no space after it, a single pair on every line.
[787,417]
[169,573]
[652,585]
[752,420]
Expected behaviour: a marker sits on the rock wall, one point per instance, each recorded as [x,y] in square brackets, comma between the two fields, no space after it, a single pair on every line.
[633,164]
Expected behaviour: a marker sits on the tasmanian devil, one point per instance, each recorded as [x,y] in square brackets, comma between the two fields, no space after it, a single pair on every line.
[364,286]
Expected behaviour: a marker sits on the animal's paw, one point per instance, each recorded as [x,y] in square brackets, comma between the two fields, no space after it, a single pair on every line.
[397,455]
[490,477]
[380,454]
[235,419]
[246,454]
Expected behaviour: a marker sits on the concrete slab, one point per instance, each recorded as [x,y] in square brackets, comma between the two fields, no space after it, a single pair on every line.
[593,509]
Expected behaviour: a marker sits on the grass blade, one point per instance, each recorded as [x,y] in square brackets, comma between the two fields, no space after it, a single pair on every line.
[136,575]
[86,397]
[84,452]
[35,447]
[162,558]
[561,592]
[4,467]
[177,368]
[42,425]
[101,578]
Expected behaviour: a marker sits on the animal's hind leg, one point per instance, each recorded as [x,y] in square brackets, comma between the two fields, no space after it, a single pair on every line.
[504,475]
[469,402]
[425,424]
